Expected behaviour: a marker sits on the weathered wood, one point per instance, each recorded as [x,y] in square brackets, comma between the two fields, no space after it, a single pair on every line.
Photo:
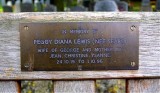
[74,86]
[144,86]
[149,50]
[111,86]
[9,87]
[37,86]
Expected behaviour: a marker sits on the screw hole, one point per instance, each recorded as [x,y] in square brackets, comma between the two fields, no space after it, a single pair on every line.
[26,65]
[133,64]
[26,27]
[133,28]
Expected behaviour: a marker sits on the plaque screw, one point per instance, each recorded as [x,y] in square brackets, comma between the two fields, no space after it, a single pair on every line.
[26,65]
[133,64]
[26,27]
[133,28]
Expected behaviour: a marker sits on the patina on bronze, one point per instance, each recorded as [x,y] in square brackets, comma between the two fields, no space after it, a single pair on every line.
[74,46]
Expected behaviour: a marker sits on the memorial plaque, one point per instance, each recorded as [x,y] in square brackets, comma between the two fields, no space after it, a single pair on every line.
[74,46]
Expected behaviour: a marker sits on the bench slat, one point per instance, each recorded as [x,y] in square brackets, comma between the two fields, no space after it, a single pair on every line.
[9,87]
[74,86]
[149,45]
[144,86]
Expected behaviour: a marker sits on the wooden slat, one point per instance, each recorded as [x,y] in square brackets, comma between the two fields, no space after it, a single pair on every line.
[74,87]
[111,86]
[9,87]
[149,46]
[144,86]
[37,86]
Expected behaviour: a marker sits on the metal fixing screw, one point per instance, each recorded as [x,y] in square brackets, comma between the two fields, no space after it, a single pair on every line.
[26,27]
[133,28]
[26,65]
[133,64]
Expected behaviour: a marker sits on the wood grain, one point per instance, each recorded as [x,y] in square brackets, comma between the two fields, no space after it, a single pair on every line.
[149,46]
[74,86]
[144,86]
[9,87]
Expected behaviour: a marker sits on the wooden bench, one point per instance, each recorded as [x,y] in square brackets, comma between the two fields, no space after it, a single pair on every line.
[144,80]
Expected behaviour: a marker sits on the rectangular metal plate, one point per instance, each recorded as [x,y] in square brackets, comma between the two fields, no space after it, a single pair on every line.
[72,46]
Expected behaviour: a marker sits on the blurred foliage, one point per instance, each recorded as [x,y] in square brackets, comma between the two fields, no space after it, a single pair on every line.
[135,6]
[36,87]
[110,86]
[1,10]
[65,5]
[71,3]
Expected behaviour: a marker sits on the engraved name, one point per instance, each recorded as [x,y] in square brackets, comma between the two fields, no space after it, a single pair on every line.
[80,41]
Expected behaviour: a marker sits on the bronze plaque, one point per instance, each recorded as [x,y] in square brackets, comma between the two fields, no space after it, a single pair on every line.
[72,46]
